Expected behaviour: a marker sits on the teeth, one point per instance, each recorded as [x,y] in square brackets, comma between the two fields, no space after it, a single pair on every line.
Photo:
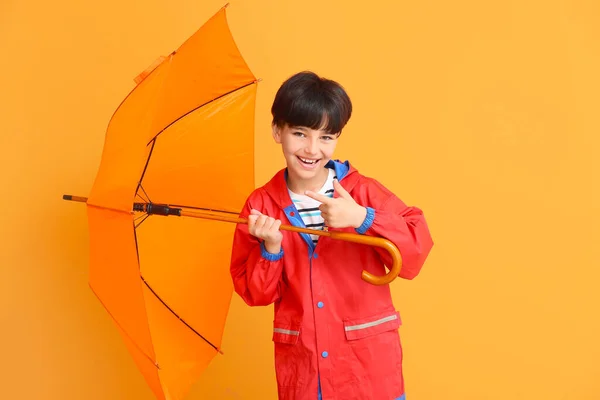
[307,161]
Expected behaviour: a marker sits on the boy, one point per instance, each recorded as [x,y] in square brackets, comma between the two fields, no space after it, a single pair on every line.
[335,335]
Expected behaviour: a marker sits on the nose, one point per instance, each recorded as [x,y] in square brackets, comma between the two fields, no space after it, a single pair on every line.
[311,147]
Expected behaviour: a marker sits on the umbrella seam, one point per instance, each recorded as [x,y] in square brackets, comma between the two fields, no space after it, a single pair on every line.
[200,106]
[125,331]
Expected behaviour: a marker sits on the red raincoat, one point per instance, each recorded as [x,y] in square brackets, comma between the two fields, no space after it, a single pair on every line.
[330,326]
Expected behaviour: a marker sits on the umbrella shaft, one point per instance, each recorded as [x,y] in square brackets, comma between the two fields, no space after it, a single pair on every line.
[350,237]
[236,220]
[165,210]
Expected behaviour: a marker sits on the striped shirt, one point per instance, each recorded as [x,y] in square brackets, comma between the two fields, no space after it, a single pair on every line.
[308,208]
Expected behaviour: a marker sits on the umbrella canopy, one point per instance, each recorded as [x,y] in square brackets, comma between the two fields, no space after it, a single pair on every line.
[184,135]
[181,143]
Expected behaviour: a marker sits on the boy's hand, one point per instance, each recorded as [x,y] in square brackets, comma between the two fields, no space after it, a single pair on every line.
[267,229]
[342,212]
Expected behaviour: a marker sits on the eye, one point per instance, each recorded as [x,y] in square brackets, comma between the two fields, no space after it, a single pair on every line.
[327,138]
[298,134]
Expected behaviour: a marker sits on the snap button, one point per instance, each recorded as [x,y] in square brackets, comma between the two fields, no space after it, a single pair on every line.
[324,354]
[320,304]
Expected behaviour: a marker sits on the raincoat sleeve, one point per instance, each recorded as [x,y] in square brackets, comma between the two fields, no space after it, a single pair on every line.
[256,273]
[390,218]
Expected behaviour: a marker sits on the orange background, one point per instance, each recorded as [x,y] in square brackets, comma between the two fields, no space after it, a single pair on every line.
[485,114]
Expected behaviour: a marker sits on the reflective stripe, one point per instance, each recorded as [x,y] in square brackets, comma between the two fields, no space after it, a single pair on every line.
[286,331]
[371,324]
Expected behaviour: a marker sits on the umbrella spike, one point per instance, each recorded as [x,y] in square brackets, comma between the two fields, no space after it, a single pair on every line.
[74,198]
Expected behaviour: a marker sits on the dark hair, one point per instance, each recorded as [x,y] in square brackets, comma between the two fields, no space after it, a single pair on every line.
[306,99]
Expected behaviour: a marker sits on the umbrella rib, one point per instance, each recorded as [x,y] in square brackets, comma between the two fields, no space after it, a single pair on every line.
[205,209]
[143,190]
[175,314]
[142,197]
[200,106]
[143,218]
[144,171]
[166,305]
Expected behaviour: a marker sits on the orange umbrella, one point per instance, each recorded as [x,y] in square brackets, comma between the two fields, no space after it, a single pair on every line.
[181,143]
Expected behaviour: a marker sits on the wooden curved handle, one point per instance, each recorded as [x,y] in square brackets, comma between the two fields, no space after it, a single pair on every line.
[377,242]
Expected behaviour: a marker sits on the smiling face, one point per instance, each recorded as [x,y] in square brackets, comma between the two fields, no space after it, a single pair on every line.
[309,113]
[306,152]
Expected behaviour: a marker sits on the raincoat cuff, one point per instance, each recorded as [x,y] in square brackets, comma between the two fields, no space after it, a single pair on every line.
[270,256]
[367,222]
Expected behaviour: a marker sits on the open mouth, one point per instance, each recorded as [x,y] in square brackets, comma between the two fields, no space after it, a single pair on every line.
[307,161]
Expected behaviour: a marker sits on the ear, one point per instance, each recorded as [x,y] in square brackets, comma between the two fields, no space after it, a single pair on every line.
[276,133]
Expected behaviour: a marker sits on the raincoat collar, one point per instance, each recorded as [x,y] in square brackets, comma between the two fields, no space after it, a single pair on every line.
[277,187]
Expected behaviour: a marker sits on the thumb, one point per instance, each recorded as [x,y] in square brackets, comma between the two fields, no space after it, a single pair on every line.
[253,216]
[337,186]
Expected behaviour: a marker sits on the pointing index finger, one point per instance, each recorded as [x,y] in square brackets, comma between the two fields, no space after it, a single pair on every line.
[319,197]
